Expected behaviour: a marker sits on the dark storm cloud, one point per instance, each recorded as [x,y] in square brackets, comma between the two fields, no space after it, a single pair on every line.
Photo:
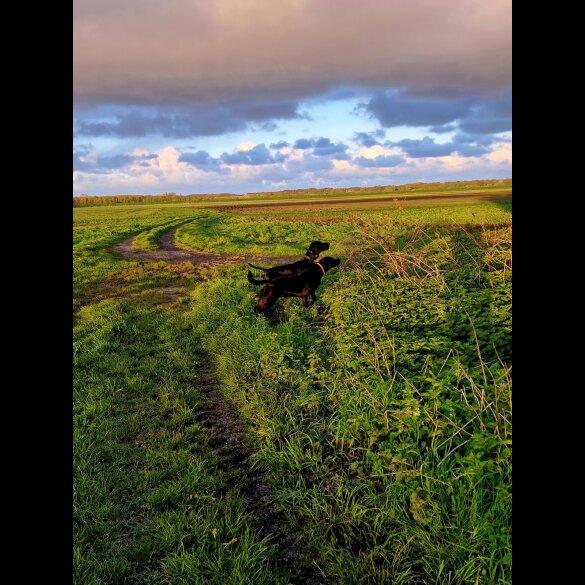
[369,138]
[323,147]
[194,52]
[105,164]
[380,161]
[259,155]
[427,147]
[395,108]
[185,122]
[471,150]
[484,124]
[267,126]
[484,140]
[442,129]
[492,115]
[474,114]
[303,143]
[202,160]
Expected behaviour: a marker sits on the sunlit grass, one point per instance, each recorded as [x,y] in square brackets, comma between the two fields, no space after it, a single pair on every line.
[382,415]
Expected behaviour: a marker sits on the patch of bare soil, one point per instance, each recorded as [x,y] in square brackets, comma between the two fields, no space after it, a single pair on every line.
[182,262]
[168,252]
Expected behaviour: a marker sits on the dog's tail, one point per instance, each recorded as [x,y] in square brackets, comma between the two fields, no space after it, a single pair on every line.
[252,280]
[257,267]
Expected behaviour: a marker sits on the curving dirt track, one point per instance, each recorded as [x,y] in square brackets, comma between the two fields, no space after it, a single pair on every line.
[220,419]
[168,252]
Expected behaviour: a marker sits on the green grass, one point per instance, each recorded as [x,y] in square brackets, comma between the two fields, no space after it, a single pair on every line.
[381,415]
[384,411]
[96,230]
[149,501]
[289,233]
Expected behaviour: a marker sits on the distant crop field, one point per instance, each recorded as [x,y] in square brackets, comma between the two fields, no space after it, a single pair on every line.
[367,438]
[402,191]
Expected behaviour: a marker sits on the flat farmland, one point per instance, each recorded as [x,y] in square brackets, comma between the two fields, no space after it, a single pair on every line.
[365,439]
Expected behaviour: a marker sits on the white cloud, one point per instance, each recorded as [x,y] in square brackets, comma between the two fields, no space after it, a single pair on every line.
[165,173]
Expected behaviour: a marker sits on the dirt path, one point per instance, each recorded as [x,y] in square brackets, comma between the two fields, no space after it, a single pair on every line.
[168,252]
[122,286]
[222,422]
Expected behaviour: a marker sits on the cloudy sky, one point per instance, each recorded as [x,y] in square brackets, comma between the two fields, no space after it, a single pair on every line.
[212,96]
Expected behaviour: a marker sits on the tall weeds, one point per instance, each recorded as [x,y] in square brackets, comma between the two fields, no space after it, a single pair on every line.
[384,413]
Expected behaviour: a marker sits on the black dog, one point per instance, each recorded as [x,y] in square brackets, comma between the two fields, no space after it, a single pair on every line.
[301,285]
[311,256]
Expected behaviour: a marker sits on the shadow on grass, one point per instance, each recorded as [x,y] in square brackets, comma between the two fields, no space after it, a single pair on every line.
[504,202]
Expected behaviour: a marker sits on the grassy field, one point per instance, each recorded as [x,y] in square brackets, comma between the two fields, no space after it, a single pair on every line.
[366,439]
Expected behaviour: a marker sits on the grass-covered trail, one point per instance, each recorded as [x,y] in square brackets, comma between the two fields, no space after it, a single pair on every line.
[164,486]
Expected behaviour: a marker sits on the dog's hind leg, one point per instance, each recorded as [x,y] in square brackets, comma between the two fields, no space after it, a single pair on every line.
[268,297]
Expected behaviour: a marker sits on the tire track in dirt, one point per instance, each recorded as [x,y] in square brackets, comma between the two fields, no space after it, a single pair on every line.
[168,252]
[221,422]
[183,261]
[220,418]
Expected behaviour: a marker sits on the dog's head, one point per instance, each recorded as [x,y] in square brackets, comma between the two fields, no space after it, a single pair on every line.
[315,248]
[328,263]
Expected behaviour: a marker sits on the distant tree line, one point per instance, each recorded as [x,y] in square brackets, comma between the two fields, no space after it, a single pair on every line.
[80,200]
